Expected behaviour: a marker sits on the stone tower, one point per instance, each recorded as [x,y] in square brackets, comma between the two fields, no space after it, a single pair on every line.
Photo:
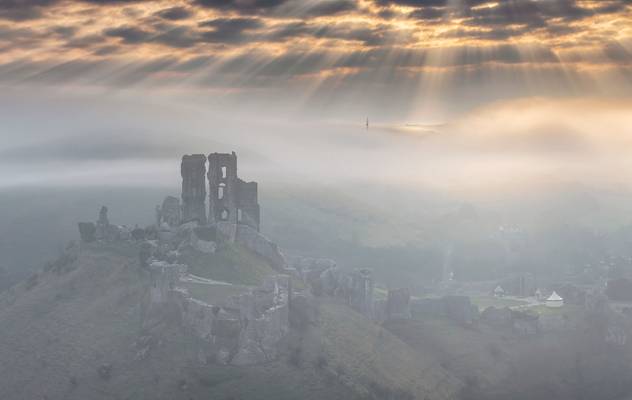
[222,184]
[193,169]
[231,199]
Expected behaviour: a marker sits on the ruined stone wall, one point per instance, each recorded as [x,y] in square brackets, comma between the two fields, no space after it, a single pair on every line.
[247,205]
[222,180]
[170,212]
[230,198]
[323,277]
[259,244]
[164,279]
[244,330]
[361,296]
[193,169]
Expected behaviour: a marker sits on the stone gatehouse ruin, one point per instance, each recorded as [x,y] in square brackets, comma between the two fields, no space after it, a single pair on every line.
[230,199]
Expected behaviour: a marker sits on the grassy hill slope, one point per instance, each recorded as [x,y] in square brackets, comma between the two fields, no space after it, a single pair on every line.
[63,325]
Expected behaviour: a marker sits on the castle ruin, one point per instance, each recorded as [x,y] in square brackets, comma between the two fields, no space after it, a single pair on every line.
[193,169]
[231,199]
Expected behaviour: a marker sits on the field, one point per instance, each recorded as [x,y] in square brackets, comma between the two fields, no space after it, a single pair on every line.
[482,302]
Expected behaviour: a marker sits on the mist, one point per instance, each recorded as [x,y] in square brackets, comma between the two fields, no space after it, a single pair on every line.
[315,199]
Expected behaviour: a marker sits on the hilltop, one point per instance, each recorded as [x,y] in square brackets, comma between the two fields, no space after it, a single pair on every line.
[75,331]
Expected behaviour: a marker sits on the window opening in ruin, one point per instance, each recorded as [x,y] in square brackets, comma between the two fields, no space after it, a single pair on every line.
[239,215]
[224,172]
[220,191]
[224,215]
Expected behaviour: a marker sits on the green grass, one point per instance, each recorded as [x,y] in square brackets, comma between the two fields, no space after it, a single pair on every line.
[380,293]
[231,263]
[213,294]
[373,359]
[482,302]
[567,309]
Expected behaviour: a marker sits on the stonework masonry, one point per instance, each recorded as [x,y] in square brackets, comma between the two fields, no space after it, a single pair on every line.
[230,198]
[193,169]
[245,330]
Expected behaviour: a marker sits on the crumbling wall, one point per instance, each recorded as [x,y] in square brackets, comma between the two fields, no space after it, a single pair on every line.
[193,170]
[170,212]
[222,181]
[323,278]
[260,245]
[247,204]
[87,231]
[164,279]
[231,199]
[103,230]
[245,330]
[361,295]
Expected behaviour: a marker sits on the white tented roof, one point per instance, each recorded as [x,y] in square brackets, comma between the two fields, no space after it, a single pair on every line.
[554,297]
[499,289]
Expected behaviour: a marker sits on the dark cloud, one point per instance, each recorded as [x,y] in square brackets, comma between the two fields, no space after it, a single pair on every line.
[21,10]
[16,34]
[508,19]
[232,24]
[218,30]
[428,13]
[113,2]
[434,3]
[248,6]
[367,34]
[106,50]
[616,52]
[63,31]
[175,13]
[84,42]
[331,7]
[531,13]
[229,30]
[129,34]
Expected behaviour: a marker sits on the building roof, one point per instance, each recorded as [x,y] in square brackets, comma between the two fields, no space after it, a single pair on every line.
[554,297]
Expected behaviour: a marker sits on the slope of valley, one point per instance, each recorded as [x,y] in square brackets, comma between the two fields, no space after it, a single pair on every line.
[78,330]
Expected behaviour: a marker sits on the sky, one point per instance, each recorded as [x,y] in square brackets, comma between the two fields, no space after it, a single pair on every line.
[467,90]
